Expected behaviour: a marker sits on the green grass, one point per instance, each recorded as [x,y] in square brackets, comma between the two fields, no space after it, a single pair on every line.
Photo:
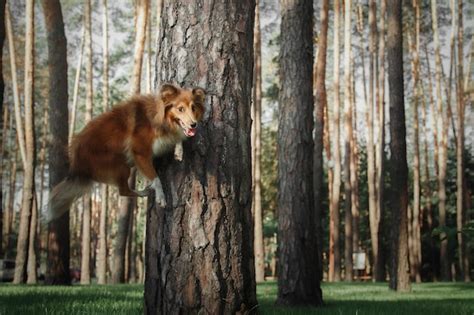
[341,298]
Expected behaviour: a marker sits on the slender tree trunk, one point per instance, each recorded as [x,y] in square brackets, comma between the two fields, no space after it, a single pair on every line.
[29,167]
[2,127]
[460,165]
[400,279]
[319,77]
[10,200]
[335,262]
[380,143]
[86,216]
[347,143]
[57,271]
[445,268]
[102,254]
[128,204]
[32,244]
[257,196]
[209,193]
[354,166]
[72,119]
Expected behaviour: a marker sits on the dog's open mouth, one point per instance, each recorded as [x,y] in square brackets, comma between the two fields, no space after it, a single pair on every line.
[189,132]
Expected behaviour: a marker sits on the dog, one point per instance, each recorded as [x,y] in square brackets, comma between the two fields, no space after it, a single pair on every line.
[131,134]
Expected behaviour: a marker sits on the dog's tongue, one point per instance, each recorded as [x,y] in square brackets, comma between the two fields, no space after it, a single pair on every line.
[191,132]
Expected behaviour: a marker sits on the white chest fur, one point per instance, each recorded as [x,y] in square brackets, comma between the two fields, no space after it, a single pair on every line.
[164,144]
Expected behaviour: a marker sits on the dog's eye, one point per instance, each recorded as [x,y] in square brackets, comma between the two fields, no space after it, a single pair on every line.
[181,109]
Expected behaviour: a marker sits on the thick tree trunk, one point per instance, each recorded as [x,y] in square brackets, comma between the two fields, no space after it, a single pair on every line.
[128,204]
[102,254]
[86,216]
[347,143]
[257,150]
[57,271]
[29,167]
[200,248]
[319,77]
[335,259]
[400,279]
[298,275]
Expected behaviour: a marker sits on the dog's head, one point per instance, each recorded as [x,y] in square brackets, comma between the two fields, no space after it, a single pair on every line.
[183,108]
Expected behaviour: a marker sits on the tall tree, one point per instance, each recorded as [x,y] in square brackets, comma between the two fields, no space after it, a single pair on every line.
[460,165]
[442,147]
[379,268]
[199,249]
[128,204]
[102,254]
[320,106]
[298,275]
[257,151]
[57,271]
[2,88]
[86,215]
[29,171]
[334,250]
[374,215]
[347,143]
[399,279]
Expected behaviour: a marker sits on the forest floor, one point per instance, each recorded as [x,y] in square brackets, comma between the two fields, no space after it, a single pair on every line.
[340,298]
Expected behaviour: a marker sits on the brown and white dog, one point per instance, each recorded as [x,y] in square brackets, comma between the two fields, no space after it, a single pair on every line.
[131,134]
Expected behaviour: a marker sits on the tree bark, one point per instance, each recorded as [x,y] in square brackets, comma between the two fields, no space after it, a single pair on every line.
[257,195]
[2,88]
[72,119]
[347,143]
[319,77]
[400,279]
[128,204]
[200,248]
[335,262]
[298,275]
[29,169]
[57,271]
[102,254]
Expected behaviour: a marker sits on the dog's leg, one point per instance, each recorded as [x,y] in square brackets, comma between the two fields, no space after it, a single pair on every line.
[159,194]
[145,166]
[178,151]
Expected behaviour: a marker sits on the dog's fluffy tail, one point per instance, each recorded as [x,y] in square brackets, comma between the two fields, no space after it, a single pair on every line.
[63,195]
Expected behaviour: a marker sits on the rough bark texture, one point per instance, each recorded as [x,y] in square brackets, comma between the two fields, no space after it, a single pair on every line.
[257,151]
[319,76]
[347,144]
[199,255]
[400,279]
[86,216]
[29,167]
[57,271]
[298,275]
[2,88]
[334,250]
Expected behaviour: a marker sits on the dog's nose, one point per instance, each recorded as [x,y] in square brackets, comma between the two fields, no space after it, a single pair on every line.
[193,125]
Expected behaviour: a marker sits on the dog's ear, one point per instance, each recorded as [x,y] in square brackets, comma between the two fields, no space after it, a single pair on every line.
[199,95]
[168,92]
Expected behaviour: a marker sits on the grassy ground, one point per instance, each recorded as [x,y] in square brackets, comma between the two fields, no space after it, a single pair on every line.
[356,298]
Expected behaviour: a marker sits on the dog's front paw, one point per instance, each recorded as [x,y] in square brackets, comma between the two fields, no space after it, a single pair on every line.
[178,152]
[160,199]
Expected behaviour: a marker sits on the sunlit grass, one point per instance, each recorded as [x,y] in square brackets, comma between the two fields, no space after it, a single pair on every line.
[341,298]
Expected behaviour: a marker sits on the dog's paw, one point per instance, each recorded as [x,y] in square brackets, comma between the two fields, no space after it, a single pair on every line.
[178,152]
[160,199]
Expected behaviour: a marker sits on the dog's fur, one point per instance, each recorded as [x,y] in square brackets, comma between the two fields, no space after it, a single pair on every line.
[131,134]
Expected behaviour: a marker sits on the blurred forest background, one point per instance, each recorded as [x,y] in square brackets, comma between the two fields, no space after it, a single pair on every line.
[356,221]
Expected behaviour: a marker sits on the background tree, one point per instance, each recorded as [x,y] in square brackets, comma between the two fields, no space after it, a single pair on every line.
[320,106]
[206,228]
[58,230]
[399,279]
[2,89]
